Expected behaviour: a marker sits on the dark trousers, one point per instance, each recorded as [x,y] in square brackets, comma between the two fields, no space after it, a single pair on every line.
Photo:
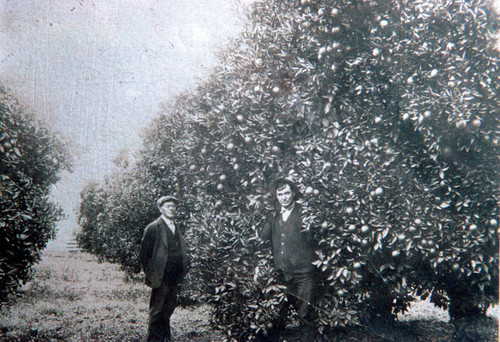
[302,289]
[301,294]
[162,304]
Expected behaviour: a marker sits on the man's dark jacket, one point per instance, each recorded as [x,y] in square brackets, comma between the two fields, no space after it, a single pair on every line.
[154,252]
[293,248]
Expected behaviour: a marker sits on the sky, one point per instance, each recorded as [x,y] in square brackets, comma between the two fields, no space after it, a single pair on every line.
[97,71]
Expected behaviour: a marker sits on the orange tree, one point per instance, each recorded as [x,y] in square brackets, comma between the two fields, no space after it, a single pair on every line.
[112,215]
[30,160]
[383,112]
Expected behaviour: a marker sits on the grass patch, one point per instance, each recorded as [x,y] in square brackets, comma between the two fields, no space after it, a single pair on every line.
[73,297]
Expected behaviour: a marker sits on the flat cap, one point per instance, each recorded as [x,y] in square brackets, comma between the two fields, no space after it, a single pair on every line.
[164,199]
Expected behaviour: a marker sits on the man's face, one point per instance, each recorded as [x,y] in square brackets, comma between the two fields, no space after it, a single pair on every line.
[168,209]
[285,196]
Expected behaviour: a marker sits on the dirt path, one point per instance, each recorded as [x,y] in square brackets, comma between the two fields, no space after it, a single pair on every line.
[75,298]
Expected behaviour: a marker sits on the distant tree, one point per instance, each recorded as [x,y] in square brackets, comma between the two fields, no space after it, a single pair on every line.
[113,215]
[92,204]
[30,160]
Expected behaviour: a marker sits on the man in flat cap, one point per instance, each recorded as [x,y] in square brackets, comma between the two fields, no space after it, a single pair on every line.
[293,252]
[164,259]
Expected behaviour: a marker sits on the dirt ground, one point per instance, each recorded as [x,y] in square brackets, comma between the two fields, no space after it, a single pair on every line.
[75,298]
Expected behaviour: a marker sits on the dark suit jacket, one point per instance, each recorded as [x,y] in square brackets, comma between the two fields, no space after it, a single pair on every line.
[154,252]
[293,248]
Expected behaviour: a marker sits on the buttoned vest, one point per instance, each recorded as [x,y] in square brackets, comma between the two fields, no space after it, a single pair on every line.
[174,246]
[293,250]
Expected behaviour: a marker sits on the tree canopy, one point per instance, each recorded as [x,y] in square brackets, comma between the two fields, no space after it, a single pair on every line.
[385,115]
[31,158]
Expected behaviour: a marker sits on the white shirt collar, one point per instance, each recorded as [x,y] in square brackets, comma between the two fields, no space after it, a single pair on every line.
[285,212]
[169,223]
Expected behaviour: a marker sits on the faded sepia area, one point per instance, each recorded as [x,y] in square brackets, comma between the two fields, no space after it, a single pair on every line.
[97,72]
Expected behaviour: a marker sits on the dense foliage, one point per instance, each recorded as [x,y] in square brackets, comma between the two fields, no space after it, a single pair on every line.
[385,114]
[30,160]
